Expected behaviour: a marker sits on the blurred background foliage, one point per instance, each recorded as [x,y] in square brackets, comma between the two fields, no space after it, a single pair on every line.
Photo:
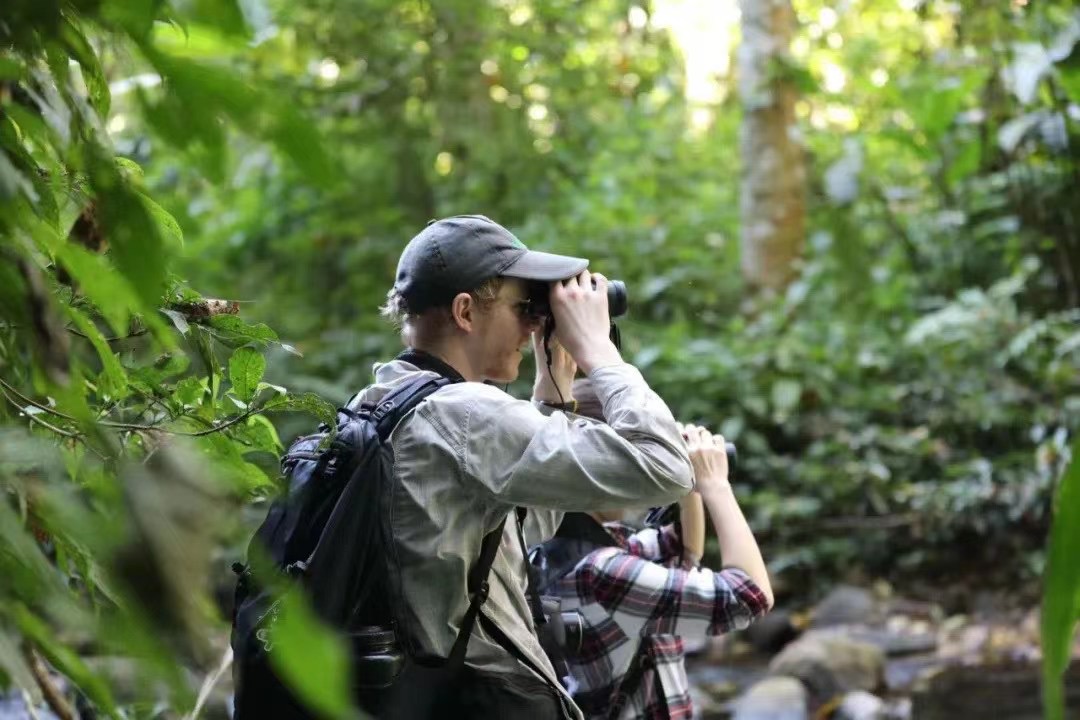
[202,203]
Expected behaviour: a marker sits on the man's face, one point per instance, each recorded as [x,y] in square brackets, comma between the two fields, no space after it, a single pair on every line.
[503,331]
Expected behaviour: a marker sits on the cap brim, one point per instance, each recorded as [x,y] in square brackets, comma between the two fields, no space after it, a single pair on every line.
[547,267]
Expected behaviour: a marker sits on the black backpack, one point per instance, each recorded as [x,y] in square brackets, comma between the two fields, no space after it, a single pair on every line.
[330,533]
[578,536]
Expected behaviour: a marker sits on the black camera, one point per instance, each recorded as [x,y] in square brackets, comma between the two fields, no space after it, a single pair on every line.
[539,304]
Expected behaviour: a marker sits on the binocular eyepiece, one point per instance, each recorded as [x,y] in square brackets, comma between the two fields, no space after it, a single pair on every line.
[616,295]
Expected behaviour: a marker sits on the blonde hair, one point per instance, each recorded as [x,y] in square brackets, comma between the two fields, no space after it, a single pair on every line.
[396,308]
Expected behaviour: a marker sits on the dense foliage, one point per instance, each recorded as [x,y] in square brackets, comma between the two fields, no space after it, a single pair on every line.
[903,410]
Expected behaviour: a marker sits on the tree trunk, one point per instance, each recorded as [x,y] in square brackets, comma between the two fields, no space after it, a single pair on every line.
[772,205]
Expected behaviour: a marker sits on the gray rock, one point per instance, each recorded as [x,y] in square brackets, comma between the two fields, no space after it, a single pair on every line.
[893,643]
[846,605]
[830,664]
[861,705]
[775,698]
[770,633]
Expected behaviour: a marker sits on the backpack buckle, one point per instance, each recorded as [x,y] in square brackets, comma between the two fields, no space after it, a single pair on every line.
[383,410]
[482,593]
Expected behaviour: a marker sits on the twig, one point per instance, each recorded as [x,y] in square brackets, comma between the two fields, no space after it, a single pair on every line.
[115,338]
[28,401]
[209,683]
[53,697]
[122,426]
[38,420]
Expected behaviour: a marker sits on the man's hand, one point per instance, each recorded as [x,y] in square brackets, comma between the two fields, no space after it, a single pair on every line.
[582,324]
[556,386]
[708,457]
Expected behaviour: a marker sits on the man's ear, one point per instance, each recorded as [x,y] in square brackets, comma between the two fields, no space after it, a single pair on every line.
[463,311]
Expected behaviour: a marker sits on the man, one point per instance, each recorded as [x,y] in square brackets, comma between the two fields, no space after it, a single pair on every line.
[640,594]
[470,454]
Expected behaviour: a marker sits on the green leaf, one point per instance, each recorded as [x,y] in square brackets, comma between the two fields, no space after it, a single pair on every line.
[258,433]
[246,367]
[134,239]
[63,659]
[13,663]
[1061,588]
[311,658]
[166,223]
[110,291]
[93,75]
[115,383]
[164,367]
[12,68]
[13,183]
[1069,77]
[304,402]
[240,332]
[189,391]
[226,458]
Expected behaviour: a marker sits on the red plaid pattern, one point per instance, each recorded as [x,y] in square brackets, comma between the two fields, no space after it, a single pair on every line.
[638,593]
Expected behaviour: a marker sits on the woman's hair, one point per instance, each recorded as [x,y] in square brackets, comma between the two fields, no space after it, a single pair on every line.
[396,308]
[588,404]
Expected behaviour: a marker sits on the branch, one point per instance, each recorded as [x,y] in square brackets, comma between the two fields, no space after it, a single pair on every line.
[209,683]
[53,697]
[115,338]
[119,425]
[36,419]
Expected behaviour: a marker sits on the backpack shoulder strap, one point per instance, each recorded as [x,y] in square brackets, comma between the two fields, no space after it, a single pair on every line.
[400,401]
[478,593]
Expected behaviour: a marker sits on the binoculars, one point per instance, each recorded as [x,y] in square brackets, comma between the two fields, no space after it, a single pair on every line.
[616,295]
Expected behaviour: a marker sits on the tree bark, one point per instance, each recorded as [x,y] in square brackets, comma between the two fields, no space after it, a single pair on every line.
[773,178]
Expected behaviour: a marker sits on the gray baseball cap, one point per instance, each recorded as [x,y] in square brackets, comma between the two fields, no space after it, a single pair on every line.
[457,254]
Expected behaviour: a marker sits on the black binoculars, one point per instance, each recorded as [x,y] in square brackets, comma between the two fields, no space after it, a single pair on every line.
[539,305]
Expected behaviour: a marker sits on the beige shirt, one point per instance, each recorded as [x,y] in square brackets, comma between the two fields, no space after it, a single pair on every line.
[470,453]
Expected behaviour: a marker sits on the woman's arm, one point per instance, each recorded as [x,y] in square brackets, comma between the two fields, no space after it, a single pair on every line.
[738,548]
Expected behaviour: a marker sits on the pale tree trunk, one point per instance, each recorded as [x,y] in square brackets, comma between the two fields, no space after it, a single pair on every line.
[772,204]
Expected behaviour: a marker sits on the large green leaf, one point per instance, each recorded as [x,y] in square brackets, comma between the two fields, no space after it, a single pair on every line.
[110,291]
[246,367]
[113,378]
[63,659]
[233,330]
[79,47]
[134,238]
[311,658]
[304,402]
[166,223]
[1061,589]
[14,664]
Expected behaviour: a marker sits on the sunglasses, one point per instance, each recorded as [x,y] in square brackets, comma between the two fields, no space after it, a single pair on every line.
[529,309]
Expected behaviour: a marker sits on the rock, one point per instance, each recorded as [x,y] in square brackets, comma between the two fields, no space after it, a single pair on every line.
[771,633]
[1002,692]
[894,643]
[860,705]
[705,707]
[845,605]
[830,664]
[775,698]
[13,707]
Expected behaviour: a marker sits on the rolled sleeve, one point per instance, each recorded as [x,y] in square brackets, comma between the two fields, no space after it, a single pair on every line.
[646,598]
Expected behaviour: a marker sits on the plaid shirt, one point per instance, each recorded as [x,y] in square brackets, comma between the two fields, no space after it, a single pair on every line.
[639,590]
